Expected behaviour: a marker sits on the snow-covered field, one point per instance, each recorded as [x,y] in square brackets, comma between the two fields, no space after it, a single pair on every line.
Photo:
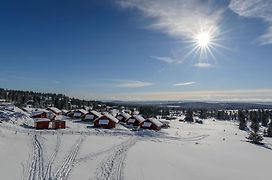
[210,151]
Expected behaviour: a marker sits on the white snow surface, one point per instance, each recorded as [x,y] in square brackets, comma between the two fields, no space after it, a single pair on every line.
[210,151]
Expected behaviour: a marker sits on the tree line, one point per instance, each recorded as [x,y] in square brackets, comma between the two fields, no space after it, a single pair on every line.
[43,100]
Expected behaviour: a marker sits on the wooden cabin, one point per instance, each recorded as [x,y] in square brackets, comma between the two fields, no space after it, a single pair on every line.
[135,120]
[123,117]
[151,123]
[106,121]
[54,110]
[79,113]
[58,124]
[92,115]
[41,123]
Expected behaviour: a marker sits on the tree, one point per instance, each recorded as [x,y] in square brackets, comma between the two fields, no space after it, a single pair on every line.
[203,114]
[269,130]
[242,120]
[265,118]
[189,116]
[254,137]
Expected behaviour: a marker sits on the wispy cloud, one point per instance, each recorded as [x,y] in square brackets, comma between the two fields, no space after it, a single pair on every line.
[185,83]
[132,84]
[167,60]
[202,65]
[178,18]
[255,9]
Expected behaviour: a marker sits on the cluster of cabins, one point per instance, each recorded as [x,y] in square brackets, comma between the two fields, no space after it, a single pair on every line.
[47,118]
[108,121]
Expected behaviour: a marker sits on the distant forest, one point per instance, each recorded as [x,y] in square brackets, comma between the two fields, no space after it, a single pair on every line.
[41,100]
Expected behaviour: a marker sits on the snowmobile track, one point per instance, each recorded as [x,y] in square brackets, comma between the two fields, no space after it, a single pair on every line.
[64,170]
[48,172]
[36,169]
[112,167]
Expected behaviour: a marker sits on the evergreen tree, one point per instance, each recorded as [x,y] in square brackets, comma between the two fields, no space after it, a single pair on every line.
[189,116]
[242,120]
[269,130]
[254,137]
[203,114]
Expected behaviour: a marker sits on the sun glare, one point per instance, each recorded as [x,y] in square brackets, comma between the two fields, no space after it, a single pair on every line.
[203,39]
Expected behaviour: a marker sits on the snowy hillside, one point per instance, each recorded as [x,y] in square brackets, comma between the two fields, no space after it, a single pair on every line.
[213,150]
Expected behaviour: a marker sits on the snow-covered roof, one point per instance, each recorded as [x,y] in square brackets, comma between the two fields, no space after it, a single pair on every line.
[42,120]
[54,109]
[40,111]
[125,115]
[28,109]
[164,121]
[139,118]
[155,121]
[109,116]
[98,114]
[83,111]
[65,111]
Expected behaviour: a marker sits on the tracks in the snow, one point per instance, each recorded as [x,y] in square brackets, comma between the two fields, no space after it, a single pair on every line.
[65,168]
[48,172]
[111,168]
[36,170]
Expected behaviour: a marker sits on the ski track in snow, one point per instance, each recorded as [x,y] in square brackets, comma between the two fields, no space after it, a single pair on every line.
[48,172]
[111,168]
[36,169]
[64,170]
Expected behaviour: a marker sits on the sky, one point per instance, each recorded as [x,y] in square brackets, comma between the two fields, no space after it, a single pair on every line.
[201,50]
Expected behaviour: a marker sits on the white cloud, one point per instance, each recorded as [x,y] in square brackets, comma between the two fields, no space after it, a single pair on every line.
[255,9]
[167,60]
[185,83]
[203,65]
[132,84]
[178,18]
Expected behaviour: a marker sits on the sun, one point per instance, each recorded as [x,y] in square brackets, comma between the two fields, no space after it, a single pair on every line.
[203,39]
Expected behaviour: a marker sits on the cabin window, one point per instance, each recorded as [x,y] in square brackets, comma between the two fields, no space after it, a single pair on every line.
[104,121]
[131,120]
[89,116]
[147,124]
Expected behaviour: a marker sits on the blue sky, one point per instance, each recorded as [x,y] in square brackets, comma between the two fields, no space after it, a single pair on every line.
[138,49]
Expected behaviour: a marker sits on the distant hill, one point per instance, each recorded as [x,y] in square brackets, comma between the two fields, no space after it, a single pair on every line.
[200,105]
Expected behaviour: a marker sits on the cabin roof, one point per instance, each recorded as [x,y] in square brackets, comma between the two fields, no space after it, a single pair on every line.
[125,115]
[155,121]
[98,114]
[83,111]
[35,113]
[54,109]
[139,118]
[109,116]
[42,120]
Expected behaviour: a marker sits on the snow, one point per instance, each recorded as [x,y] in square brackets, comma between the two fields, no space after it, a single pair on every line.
[212,150]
